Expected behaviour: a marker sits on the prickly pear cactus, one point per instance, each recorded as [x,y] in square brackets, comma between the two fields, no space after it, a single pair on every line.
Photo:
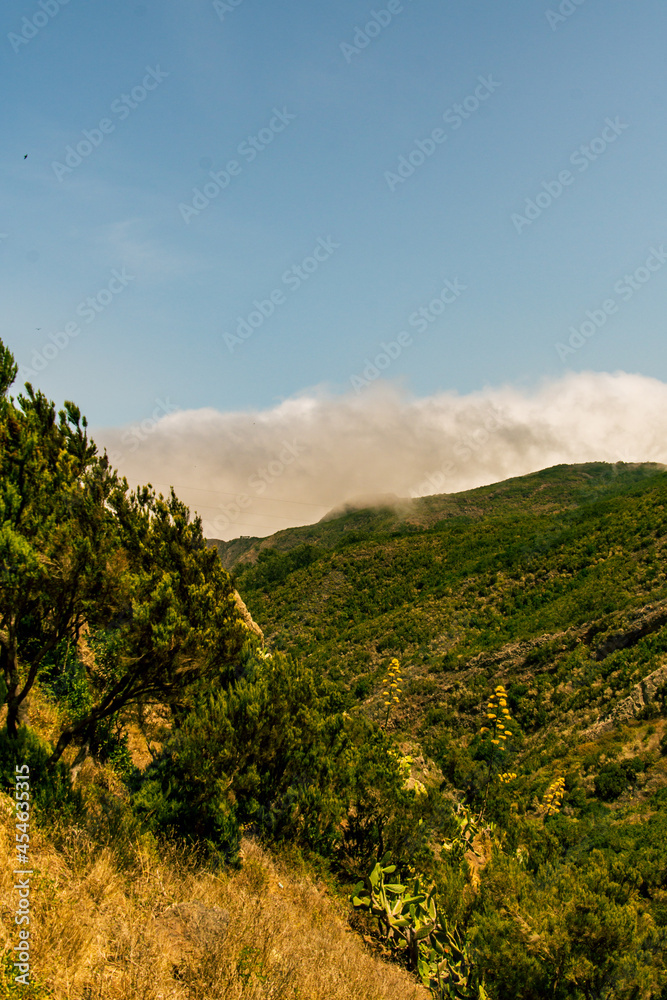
[409,921]
[448,969]
[464,840]
[405,913]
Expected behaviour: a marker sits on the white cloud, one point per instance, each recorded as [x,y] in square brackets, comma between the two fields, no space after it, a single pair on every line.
[255,472]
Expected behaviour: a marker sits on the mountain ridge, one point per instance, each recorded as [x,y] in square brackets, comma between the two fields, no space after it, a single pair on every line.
[564,483]
[504,581]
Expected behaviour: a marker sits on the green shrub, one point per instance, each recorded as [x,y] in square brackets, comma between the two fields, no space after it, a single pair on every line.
[51,792]
[362,688]
[610,782]
[172,802]
[251,754]
[633,767]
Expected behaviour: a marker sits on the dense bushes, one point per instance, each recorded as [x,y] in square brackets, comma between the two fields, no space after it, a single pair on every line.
[51,788]
[266,753]
[572,933]
[273,567]
[483,583]
[613,779]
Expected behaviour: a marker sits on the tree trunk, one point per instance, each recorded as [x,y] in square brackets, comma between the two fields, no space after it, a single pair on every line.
[14,713]
[62,744]
[84,730]
[10,670]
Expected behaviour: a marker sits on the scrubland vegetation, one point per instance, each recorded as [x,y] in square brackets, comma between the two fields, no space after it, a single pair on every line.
[443,774]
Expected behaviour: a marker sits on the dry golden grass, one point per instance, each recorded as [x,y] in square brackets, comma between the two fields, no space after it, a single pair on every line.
[144,924]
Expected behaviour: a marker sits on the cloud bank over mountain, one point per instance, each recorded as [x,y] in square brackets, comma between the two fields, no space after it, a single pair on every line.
[252,473]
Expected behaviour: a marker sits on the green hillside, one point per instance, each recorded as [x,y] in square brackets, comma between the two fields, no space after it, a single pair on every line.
[553,586]
[544,553]
[452,742]
[559,488]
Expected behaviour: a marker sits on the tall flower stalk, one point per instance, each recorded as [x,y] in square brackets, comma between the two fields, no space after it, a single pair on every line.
[391,687]
[500,726]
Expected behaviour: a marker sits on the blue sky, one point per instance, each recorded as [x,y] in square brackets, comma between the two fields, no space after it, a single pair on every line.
[332,122]
[323,176]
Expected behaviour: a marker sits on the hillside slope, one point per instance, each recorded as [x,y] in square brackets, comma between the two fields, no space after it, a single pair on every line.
[546,595]
[566,548]
[558,488]
[553,587]
[121,918]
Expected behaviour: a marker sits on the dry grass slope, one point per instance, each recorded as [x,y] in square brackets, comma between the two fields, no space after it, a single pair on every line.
[155,926]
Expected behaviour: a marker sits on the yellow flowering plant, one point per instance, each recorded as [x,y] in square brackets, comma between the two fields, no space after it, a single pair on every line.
[391,687]
[498,731]
[553,797]
[499,718]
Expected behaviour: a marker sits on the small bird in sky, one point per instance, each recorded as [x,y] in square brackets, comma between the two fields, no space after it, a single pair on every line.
[25,157]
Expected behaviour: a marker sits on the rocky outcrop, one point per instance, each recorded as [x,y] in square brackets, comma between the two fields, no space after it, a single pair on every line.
[640,696]
[515,653]
[640,623]
[603,638]
[248,620]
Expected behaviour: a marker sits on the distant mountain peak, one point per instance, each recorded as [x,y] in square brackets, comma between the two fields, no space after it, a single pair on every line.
[367,501]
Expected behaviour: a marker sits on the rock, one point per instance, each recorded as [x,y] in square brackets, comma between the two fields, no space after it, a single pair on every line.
[248,620]
[640,696]
[642,622]
[515,653]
